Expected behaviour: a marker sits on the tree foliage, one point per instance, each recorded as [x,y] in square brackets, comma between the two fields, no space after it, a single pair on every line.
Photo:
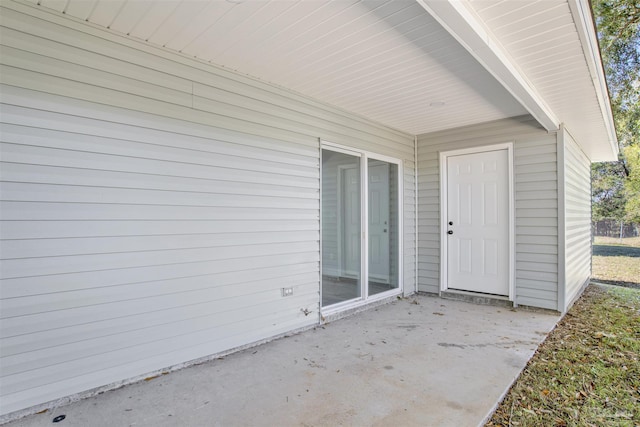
[607,191]
[632,185]
[615,186]
[618,23]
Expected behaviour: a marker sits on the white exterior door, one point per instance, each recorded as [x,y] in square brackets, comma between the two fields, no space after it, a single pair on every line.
[477,218]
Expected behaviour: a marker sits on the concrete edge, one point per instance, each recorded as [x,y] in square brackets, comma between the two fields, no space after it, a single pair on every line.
[540,310]
[63,401]
[517,376]
[475,298]
[329,318]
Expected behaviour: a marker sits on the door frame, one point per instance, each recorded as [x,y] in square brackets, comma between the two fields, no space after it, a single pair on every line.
[444,203]
[364,299]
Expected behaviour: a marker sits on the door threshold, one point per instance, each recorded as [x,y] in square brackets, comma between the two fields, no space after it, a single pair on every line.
[477,298]
[345,310]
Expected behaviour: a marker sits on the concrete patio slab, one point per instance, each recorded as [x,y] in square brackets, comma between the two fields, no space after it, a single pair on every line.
[421,361]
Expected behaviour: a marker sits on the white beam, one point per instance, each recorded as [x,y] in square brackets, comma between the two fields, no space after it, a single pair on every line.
[469,31]
[581,12]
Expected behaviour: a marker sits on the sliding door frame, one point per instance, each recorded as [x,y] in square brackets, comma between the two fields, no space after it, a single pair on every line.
[364,157]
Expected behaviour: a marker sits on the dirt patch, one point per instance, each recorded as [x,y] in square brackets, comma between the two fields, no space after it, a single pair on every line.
[612,264]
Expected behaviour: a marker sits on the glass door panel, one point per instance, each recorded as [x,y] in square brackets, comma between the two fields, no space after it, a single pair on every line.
[341,228]
[383,226]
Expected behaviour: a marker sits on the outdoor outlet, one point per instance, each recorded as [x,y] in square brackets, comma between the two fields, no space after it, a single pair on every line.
[287,292]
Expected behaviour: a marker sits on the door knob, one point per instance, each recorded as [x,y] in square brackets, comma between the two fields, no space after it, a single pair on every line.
[450,222]
[450,232]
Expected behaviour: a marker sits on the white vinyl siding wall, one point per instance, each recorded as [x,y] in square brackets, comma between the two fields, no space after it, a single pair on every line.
[577,219]
[409,239]
[536,204]
[153,207]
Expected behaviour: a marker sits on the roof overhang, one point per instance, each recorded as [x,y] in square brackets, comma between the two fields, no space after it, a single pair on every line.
[581,10]
[459,18]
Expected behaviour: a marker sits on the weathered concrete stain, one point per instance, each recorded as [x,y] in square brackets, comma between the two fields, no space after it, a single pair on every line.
[397,365]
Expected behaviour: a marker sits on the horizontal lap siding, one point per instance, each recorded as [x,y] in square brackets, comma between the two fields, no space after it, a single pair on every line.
[577,210]
[409,229]
[536,195]
[152,207]
[115,263]
[536,205]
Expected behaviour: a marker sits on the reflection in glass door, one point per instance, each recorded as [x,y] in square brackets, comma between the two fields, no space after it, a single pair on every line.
[341,225]
[360,210]
[382,226]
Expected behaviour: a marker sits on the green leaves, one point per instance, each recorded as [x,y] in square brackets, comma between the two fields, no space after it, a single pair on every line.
[618,23]
[607,190]
[632,183]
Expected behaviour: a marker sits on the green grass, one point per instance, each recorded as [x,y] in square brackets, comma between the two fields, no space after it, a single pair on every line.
[587,372]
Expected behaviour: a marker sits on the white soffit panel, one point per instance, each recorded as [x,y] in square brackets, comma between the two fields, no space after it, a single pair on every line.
[543,38]
[387,60]
[471,33]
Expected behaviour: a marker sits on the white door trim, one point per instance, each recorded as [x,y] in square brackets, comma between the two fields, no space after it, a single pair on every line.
[444,204]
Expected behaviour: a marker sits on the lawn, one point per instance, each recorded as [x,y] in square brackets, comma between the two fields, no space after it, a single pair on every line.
[616,261]
[587,371]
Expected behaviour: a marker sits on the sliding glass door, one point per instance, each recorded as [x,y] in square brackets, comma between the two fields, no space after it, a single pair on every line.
[360,226]
[382,226]
[341,223]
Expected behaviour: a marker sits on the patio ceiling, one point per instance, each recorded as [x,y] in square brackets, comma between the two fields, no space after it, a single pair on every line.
[388,60]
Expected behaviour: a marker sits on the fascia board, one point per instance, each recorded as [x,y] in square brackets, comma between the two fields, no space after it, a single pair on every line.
[581,11]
